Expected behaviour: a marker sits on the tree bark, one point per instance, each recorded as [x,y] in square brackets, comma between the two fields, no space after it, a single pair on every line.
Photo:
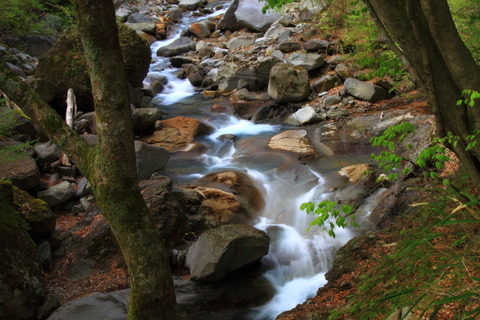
[115,182]
[110,167]
[425,33]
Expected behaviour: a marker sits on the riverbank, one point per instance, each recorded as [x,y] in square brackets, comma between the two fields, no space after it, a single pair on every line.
[324,129]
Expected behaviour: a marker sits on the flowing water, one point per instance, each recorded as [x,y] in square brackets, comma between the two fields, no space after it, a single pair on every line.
[297,259]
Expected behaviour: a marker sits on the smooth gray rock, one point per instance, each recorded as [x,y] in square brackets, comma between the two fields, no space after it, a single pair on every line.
[149,159]
[305,115]
[83,188]
[57,194]
[241,41]
[326,83]
[177,47]
[37,45]
[247,13]
[310,61]
[48,152]
[138,18]
[289,46]
[364,90]
[288,83]
[144,118]
[147,27]
[96,306]
[192,4]
[224,249]
[316,45]
[343,72]
[331,100]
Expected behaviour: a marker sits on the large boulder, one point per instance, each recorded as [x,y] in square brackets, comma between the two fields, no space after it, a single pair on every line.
[177,47]
[247,13]
[65,65]
[22,284]
[224,249]
[14,122]
[178,133]
[149,159]
[95,306]
[17,165]
[364,90]
[288,83]
[254,70]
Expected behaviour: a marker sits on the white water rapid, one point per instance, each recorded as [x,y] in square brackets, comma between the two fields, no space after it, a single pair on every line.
[297,260]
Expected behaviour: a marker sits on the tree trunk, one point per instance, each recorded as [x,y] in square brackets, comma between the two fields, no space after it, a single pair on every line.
[426,35]
[110,167]
[115,182]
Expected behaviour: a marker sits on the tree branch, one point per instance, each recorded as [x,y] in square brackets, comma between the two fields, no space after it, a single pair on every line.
[48,120]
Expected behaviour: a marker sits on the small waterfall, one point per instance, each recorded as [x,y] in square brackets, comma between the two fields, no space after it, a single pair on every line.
[297,260]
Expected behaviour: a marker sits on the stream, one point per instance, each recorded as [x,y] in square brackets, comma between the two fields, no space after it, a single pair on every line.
[297,259]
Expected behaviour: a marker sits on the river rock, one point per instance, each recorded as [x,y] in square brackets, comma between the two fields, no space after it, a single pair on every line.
[177,47]
[22,282]
[219,207]
[199,29]
[224,249]
[288,83]
[239,184]
[316,45]
[147,27]
[292,141]
[66,67]
[240,41]
[149,159]
[178,133]
[289,46]
[247,13]
[138,18]
[310,61]
[343,71]
[254,70]
[17,165]
[331,100]
[305,115]
[364,90]
[144,118]
[95,306]
[57,194]
[192,4]
[326,83]
[170,208]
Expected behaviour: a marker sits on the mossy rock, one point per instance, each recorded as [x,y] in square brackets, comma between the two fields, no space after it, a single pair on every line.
[36,213]
[65,66]
[22,287]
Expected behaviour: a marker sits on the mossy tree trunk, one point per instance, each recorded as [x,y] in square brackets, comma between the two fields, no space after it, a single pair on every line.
[110,167]
[424,35]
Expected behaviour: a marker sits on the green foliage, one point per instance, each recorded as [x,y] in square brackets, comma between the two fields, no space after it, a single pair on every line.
[466,14]
[327,211]
[389,162]
[470,96]
[24,16]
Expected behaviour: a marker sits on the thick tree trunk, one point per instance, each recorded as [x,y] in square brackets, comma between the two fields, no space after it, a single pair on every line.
[114,180]
[109,167]
[426,35]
